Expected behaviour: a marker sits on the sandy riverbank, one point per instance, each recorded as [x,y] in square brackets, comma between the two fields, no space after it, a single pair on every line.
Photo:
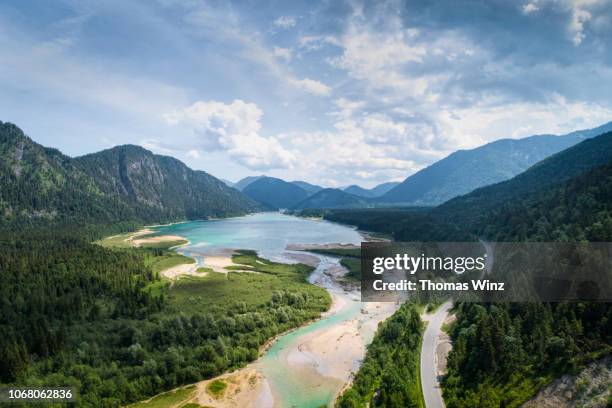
[330,354]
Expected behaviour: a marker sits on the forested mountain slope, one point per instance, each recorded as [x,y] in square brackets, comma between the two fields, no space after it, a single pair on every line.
[503,353]
[275,193]
[127,183]
[331,198]
[551,171]
[308,187]
[161,186]
[466,170]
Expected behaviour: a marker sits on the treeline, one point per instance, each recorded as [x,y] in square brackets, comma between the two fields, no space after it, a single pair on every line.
[80,315]
[579,210]
[50,282]
[503,353]
[40,185]
[389,375]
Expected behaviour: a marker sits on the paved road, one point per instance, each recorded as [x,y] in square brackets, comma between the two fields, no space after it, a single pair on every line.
[429,376]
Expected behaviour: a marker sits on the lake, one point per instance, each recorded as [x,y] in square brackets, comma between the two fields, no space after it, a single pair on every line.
[300,369]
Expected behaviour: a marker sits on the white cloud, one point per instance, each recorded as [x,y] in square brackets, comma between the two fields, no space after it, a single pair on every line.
[284,53]
[580,16]
[310,85]
[285,22]
[193,153]
[235,129]
[530,8]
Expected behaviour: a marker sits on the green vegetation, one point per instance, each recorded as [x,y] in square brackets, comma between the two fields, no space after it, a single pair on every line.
[100,320]
[466,170]
[354,268]
[275,193]
[216,388]
[164,261]
[341,252]
[350,259]
[504,353]
[168,399]
[389,375]
[331,198]
[123,184]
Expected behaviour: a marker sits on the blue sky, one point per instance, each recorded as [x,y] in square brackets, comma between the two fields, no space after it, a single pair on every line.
[333,92]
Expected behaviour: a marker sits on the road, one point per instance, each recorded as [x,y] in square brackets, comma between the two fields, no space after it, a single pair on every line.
[429,373]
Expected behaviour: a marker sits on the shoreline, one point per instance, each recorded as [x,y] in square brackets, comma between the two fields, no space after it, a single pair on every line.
[330,353]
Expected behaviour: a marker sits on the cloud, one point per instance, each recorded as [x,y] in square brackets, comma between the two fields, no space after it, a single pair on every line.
[580,16]
[310,85]
[285,22]
[193,154]
[284,53]
[530,8]
[233,128]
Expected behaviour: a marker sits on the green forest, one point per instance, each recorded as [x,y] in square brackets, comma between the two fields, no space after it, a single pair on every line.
[389,374]
[504,353]
[100,320]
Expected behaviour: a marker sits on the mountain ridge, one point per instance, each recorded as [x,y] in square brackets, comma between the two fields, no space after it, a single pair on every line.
[275,193]
[466,170]
[124,183]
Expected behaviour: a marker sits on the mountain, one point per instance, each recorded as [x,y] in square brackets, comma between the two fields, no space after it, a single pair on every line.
[309,188]
[161,185]
[126,183]
[242,183]
[275,193]
[331,198]
[227,182]
[358,191]
[549,172]
[465,170]
[371,193]
[383,188]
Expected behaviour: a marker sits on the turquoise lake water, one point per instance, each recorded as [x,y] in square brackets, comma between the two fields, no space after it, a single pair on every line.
[269,234]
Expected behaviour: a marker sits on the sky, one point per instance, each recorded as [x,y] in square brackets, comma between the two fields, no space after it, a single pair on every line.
[332,92]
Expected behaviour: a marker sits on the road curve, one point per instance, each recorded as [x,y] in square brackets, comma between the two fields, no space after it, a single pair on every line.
[432,393]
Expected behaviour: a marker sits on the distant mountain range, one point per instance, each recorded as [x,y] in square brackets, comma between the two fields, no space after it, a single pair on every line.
[125,183]
[459,173]
[377,191]
[131,183]
[309,188]
[275,193]
[467,170]
[331,198]
[548,173]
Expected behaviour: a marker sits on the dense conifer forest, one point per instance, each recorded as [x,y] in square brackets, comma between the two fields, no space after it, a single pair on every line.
[503,353]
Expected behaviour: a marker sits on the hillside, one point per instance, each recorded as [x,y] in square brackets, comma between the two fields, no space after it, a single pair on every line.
[376,191]
[466,170]
[309,188]
[383,188]
[126,183]
[523,346]
[331,198]
[161,186]
[242,183]
[551,171]
[275,193]
[358,191]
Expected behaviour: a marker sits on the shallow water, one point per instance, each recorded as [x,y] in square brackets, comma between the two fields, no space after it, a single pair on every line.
[269,234]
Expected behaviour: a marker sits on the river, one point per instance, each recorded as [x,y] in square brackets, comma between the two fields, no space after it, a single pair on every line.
[309,366]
